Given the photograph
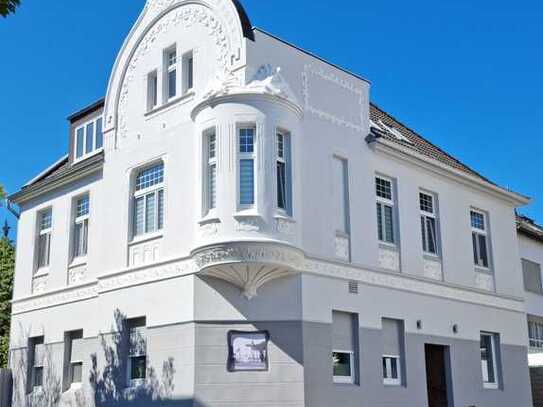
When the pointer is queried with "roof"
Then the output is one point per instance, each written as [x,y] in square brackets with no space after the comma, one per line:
[529,228]
[382,124]
[86,110]
[245,21]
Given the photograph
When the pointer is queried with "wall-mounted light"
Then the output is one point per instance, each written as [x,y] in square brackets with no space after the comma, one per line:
[455,328]
[419,324]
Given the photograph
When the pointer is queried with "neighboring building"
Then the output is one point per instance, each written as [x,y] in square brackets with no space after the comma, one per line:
[236,225]
[531,252]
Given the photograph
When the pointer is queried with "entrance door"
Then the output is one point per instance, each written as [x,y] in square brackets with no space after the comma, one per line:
[437,375]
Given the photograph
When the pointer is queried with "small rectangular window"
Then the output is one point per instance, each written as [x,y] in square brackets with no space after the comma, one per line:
[393,351]
[246,156]
[81,227]
[284,173]
[489,359]
[45,228]
[429,223]
[343,367]
[137,351]
[385,210]
[535,333]
[37,362]
[152,90]
[479,235]
[171,73]
[210,187]
[344,347]
[148,208]
[80,141]
[188,72]
[391,370]
[89,138]
[74,356]
[99,134]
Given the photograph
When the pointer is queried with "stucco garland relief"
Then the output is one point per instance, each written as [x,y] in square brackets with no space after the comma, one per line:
[39,284]
[433,269]
[343,247]
[77,275]
[389,259]
[50,300]
[210,229]
[335,118]
[484,281]
[187,15]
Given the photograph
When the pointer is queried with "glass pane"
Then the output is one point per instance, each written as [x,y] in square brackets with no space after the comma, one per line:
[43,250]
[431,229]
[172,58]
[190,72]
[212,146]
[212,185]
[423,230]
[385,369]
[80,140]
[46,220]
[483,251]
[487,359]
[393,368]
[172,83]
[280,146]
[281,186]
[150,177]
[477,220]
[426,203]
[150,208]
[246,182]
[380,222]
[82,207]
[139,218]
[160,209]
[89,138]
[78,237]
[389,224]
[99,134]
[475,253]
[246,140]
[38,376]
[383,188]
[342,364]
[77,372]
[138,367]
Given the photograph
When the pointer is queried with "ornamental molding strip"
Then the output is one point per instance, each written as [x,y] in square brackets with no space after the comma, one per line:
[358,98]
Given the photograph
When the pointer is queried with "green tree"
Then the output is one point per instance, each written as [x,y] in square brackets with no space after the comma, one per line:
[2,192]
[8,7]
[7,268]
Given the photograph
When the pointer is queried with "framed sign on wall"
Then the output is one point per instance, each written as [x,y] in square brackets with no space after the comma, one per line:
[248,351]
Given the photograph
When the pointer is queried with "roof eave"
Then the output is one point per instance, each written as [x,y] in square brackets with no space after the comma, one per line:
[419,159]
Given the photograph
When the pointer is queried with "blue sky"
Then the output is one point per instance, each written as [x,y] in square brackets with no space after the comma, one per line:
[466,74]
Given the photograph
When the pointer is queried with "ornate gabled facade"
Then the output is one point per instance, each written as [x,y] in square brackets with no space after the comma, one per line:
[235,224]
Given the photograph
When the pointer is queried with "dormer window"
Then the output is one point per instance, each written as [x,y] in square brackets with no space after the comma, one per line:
[89,138]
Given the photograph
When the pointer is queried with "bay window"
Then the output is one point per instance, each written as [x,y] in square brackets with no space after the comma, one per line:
[45,228]
[429,223]
[148,207]
[246,166]
[81,227]
[385,210]
[284,172]
[479,234]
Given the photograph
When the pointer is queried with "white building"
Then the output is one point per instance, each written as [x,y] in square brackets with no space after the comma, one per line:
[236,225]
[531,252]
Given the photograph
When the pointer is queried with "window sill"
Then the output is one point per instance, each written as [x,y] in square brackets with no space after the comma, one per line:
[173,101]
[87,156]
[211,217]
[491,386]
[344,381]
[135,384]
[41,272]
[484,270]
[248,213]
[146,238]
[432,257]
[388,246]
[78,261]
[392,384]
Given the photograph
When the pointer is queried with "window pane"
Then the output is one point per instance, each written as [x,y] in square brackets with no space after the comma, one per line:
[423,230]
[80,141]
[172,58]
[44,247]
[383,188]
[150,208]
[139,218]
[138,367]
[426,203]
[212,146]
[477,220]
[487,359]
[475,249]
[246,182]
[280,146]
[160,210]
[38,376]
[82,207]
[342,364]
[393,368]
[99,134]
[78,239]
[281,185]
[46,220]
[172,83]
[483,251]
[89,143]
[77,372]
[389,224]
[190,72]
[246,140]
[431,235]
[212,185]
[150,177]
[380,222]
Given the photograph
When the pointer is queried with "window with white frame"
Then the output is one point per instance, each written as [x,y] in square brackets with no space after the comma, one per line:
[210,184]
[246,165]
[137,352]
[148,204]
[479,234]
[535,333]
[45,229]
[393,350]
[385,210]
[429,223]
[489,360]
[284,172]
[170,57]
[81,227]
[37,358]
[75,355]
[344,343]
[188,72]
[88,138]
[152,90]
